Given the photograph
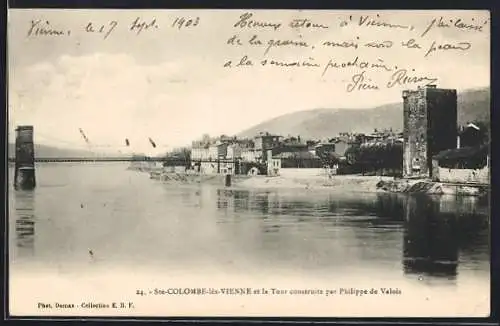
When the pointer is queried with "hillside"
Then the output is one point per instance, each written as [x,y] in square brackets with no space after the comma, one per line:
[320,123]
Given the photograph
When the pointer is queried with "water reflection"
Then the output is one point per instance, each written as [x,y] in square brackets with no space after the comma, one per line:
[379,209]
[314,232]
[433,233]
[25,221]
[431,239]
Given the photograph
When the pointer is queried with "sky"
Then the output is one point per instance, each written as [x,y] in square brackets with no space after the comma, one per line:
[170,83]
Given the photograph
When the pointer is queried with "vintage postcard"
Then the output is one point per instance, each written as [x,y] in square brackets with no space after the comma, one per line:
[249,163]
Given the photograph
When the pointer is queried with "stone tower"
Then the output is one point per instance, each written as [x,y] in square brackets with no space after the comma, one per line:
[430,126]
[24,175]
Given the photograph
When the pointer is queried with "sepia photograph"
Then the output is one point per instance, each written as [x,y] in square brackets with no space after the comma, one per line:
[248,163]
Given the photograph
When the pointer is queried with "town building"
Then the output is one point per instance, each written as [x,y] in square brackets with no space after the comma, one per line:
[430,126]
[273,164]
[212,152]
[200,153]
[264,142]
[289,148]
[221,150]
[340,147]
[233,151]
[323,147]
[248,155]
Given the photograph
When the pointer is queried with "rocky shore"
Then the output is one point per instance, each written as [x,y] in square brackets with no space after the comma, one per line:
[431,187]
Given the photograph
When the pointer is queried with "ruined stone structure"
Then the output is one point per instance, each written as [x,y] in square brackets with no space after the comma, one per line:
[430,126]
[24,175]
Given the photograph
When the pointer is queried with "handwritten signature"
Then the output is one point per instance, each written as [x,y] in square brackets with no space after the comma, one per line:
[361,81]
[401,77]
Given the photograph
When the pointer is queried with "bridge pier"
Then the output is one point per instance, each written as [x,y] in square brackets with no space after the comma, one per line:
[24,175]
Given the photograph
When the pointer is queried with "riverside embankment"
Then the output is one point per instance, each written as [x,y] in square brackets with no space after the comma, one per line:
[351,183]
[345,183]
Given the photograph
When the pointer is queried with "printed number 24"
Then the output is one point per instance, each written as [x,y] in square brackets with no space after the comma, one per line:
[140,292]
[181,22]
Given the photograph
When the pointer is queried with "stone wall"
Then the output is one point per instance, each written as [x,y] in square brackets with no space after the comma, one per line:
[415,133]
[174,169]
[464,175]
[302,173]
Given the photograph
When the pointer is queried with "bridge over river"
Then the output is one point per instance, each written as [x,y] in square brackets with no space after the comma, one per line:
[168,161]
[100,159]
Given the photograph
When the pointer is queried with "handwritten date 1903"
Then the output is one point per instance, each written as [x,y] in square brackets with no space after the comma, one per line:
[181,22]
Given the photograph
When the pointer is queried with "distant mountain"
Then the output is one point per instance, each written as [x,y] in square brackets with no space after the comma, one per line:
[320,123]
[474,105]
[52,152]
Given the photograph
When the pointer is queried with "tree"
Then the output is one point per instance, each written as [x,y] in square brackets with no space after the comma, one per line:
[181,154]
[484,129]
[376,157]
[327,157]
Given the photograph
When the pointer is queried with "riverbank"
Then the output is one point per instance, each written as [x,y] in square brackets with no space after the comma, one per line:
[344,183]
[350,183]
[431,187]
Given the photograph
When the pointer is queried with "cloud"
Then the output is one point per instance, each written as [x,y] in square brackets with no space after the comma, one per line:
[111,97]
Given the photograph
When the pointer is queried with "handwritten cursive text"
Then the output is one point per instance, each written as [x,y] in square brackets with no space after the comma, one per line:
[245,22]
[102,29]
[460,46]
[453,23]
[401,77]
[139,25]
[44,28]
[360,82]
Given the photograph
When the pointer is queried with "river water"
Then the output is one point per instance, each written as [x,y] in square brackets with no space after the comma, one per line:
[97,219]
